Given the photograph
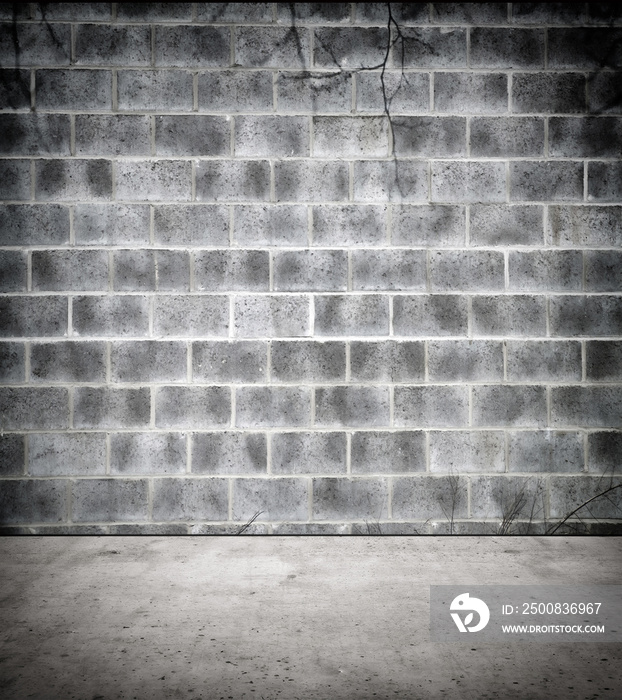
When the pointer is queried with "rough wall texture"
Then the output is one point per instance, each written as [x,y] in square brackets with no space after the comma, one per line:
[237,276]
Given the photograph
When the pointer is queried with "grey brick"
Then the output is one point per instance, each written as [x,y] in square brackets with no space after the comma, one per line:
[438,314]
[545,451]
[134,270]
[343,137]
[71,270]
[548,92]
[335,497]
[73,89]
[429,136]
[237,361]
[469,13]
[310,181]
[591,137]
[432,47]
[311,270]
[191,225]
[405,92]
[148,361]
[155,11]
[313,13]
[235,91]
[112,45]
[396,181]
[501,496]
[229,270]
[603,13]
[386,361]
[424,497]
[271,136]
[39,44]
[110,315]
[192,47]
[193,407]
[34,409]
[471,93]
[309,453]
[15,88]
[388,269]
[545,270]
[153,90]
[493,137]
[229,453]
[12,452]
[498,224]
[172,270]
[271,47]
[401,452]
[105,408]
[516,406]
[233,181]
[111,224]
[405,13]
[540,181]
[463,452]
[68,180]
[75,11]
[272,316]
[114,135]
[68,361]
[308,361]
[154,180]
[465,360]
[547,12]
[272,407]
[13,271]
[469,182]
[33,316]
[543,360]
[509,315]
[604,452]
[275,499]
[584,226]
[73,454]
[190,499]
[585,47]
[568,493]
[349,225]
[12,363]
[270,225]
[436,225]
[34,224]
[191,316]
[314,92]
[603,90]
[580,315]
[349,48]
[466,270]
[15,180]
[110,500]
[192,136]
[604,360]
[431,406]
[31,501]
[342,315]
[604,182]
[34,134]
[507,48]
[252,12]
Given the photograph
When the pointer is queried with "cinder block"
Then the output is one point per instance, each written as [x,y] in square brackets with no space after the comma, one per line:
[39,44]
[604,360]
[545,451]
[604,182]
[580,48]
[229,453]
[342,315]
[311,270]
[313,13]
[237,12]
[505,496]
[68,180]
[192,136]
[352,406]
[469,181]
[105,408]
[72,454]
[515,406]
[148,361]
[32,501]
[390,181]
[271,136]
[432,47]
[33,316]
[147,529]
[190,499]
[223,362]
[438,314]
[585,137]
[429,136]
[311,181]
[309,453]
[434,225]
[155,12]
[15,180]
[12,451]
[109,500]
[607,13]
[34,409]
[585,315]
[34,134]
[12,363]
[465,360]
[603,93]
[134,270]
[466,270]
[75,11]
[547,13]
[343,137]
[568,493]
[493,137]
[191,225]
[111,224]
[68,361]
[388,269]
[112,45]
[153,90]
[460,452]
[192,47]
[191,316]
[546,270]
[236,91]
[110,316]
[13,271]
[424,497]
[497,224]
[509,315]
[469,13]
[34,224]
[274,499]
[431,406]
[348,48]
[543,361]
[604,454]
[405,13]
[386,361]
[381,452]
[272,407]
[232,270]
[584,226]
[154,180]
[193,407]
[335,498]
[73,89]
[404,92]
[271,47]
[234,529]
[474,93]
[233,181]
[69,270]
[271,316]
[349,225]
[15,88]
[307,361]
[147,453]
[311,529]
[507,48]
[172,270]
[113,135]
[270,225]
[548,93]
[314,92]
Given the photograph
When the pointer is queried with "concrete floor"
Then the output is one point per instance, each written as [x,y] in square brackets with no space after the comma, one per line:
[97,618]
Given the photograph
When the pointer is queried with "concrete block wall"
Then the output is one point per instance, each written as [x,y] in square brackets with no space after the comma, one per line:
[239,278]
